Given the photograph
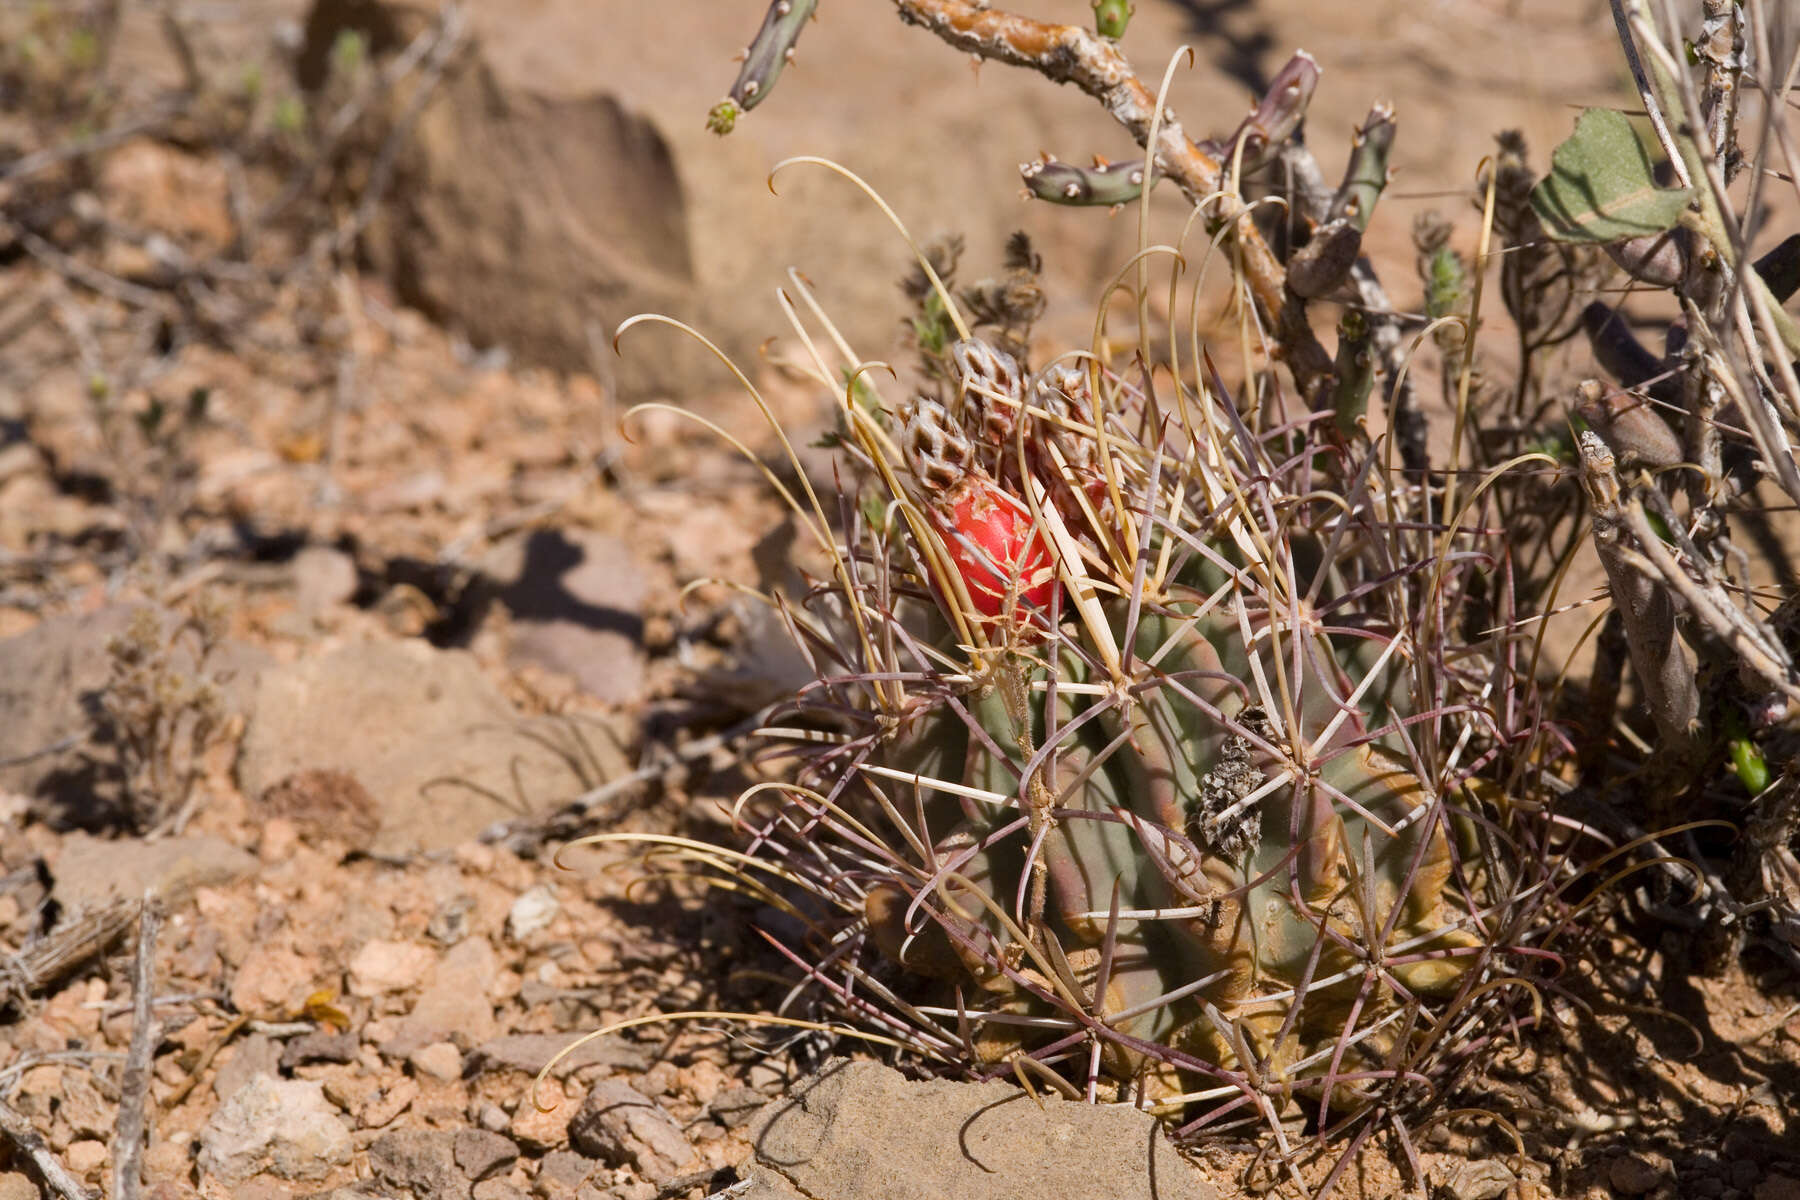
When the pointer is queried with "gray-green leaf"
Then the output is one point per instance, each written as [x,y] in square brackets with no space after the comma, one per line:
[1601,187]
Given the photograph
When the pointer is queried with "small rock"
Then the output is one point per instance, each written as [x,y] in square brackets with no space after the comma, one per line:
[164,1160]
[480,1153]
[383,966]
[499,1189]
[561,1172]
[492,1117]
[20,458]
[153,185]
[1744,1174]
[173,1189]
[14,1186]
[421,1161]
[440,1060]
[285,1127]
[619,1124]
[319,1046]
[449,924]
[388,1104]
[276,840]
[84,1109]
[44,673]
[1778,1187]
[257,1054]
[531,912]
[350,1092]
[545,1130]
[273,981]
[1631,1175]
[85,1157]
[418,490]
[1484,1180]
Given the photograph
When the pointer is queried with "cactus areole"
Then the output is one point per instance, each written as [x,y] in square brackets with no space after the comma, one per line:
[996,548]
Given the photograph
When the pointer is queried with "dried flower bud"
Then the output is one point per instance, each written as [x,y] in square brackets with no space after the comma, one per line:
[937,449]
[993,388]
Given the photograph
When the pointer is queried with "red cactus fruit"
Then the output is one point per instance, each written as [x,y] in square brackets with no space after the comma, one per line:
[993,542]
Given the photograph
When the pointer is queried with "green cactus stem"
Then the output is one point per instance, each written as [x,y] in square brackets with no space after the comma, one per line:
[1355,372]
[1103,185]
[770,51]
[1111,17]
[1366,175]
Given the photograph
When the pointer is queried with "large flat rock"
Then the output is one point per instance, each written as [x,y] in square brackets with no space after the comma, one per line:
[862,1131]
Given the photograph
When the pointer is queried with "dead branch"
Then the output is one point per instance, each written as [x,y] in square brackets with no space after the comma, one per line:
[1643,603]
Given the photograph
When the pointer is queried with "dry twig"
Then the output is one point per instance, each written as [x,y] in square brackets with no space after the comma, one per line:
[31,1144]
[77,939]
[134,1084]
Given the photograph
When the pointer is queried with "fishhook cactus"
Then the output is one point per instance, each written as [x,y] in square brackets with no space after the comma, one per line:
[1164,746]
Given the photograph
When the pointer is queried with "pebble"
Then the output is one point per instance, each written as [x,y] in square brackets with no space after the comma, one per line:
[531,912]
[272,980]
[619,1124]
[319,1046]
[1631,1175]
[480,1153]
[388,1104]
[440,1060]
[86,1156]
[533,1127]
[561,1172]
[383,966]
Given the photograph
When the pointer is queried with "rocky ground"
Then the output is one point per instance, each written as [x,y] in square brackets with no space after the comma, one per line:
[333,605]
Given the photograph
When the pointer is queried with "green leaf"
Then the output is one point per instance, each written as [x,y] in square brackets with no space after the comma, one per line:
[1601,186]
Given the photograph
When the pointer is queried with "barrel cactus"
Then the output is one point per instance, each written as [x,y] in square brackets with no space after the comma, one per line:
[1165,748]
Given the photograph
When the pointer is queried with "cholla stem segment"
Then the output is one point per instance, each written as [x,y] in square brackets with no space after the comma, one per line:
[1366,175]
[1071,54]
[1104,185]
[770,51]
[1276,117]
[1112,16]
[1324,264]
